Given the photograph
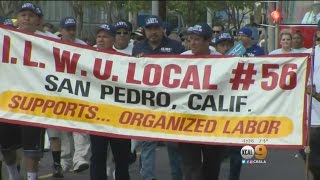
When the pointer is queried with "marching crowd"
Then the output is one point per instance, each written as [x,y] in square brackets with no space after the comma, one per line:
[72,151]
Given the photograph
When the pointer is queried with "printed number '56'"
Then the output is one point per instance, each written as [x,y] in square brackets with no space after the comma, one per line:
[288,76]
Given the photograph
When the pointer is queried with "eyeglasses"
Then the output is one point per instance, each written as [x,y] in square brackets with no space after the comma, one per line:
[122,33]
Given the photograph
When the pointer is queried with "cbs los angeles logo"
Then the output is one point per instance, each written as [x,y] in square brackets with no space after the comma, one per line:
[259,153]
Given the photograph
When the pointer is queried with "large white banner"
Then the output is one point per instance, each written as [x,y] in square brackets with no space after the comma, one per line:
[214,99]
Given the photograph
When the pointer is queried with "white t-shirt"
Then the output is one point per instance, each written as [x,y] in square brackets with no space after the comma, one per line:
[279,51]
[189,52]
[79,41]
[127,50]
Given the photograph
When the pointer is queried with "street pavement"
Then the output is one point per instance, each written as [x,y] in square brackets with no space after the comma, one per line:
[280,165]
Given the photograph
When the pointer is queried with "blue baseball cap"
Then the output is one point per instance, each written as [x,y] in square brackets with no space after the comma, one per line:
[68,22]
[28,6]
[6,21]
[223,36]
[153,21]
[245,31]
[123,24]
[39,11]
[201,29]
[109,28]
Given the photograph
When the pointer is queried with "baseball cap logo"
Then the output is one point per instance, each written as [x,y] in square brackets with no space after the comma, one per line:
[27,5]
[225,35]
[121,24]
[105,26]
[152,21]
[70,21]
[197,28]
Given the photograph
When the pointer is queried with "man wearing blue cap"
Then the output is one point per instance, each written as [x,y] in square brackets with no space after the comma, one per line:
[123,34]
[200,36]
[105,39]
[27,137]
[223,42]
[63,143]
[157,43]
[199,161]
[245,36]
[68,30]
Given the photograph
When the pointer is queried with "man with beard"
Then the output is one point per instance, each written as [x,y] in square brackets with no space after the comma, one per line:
[157,43]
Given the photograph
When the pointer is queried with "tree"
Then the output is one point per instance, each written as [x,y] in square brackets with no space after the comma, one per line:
[7,8]
[195,11]
[77,7]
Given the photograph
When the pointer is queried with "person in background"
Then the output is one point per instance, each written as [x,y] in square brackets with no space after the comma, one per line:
[157,43]
[184,36]
[138,35]
[73,147]
[285,42]
[6,21]
[223,42]
[105,39]
[297,42]
[200,161]
[245,36]
[216,29]
[48,27]
[312,16]
[123,34]
[200,35]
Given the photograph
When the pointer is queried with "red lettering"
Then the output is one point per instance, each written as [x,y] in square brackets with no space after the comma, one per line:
[6,49]
[187,128]
[107,69]
[125,117]
[191,78]
[48,104]
[167,74]
[71,107]
[131,73]
[210,128]
[251,127]
[15,102]
[206,79]
[274,125]
[147,80]
[56,109]
[37,103]
[225,129]
[137,117]
[199,125]
[239,128]
[62,62]
[27,55]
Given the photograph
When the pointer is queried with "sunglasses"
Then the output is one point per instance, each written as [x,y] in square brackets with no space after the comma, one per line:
[216,32]
[122,33]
